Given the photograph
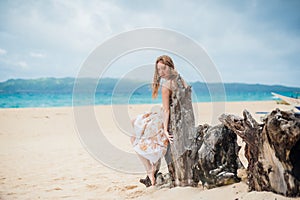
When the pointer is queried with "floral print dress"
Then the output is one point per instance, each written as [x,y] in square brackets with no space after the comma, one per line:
[150,142]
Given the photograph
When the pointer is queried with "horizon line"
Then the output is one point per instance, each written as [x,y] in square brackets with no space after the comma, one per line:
[116,78]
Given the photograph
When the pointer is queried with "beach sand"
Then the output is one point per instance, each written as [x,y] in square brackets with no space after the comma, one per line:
[42,156]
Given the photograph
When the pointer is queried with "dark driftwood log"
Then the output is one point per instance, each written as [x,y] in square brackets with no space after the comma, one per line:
[272,150]
[216,154]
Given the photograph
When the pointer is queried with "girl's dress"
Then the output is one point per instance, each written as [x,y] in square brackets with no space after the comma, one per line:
[150,142]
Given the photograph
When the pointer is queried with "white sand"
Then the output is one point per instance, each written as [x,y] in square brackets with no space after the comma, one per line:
[42,156]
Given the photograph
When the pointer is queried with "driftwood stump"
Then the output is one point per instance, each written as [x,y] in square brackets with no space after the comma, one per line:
[182,127]
[272,150]
[216,154]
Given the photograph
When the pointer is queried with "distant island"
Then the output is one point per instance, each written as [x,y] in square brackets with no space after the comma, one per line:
[108,85]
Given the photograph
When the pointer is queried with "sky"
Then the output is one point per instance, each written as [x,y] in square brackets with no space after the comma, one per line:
[249,41]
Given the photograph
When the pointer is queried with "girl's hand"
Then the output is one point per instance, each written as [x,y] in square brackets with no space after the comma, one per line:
[170,137]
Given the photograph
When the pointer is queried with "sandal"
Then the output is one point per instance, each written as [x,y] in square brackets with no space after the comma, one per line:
[146,181]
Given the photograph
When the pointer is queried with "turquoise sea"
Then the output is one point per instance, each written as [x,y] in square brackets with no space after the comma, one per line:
[52,92]
[25,100]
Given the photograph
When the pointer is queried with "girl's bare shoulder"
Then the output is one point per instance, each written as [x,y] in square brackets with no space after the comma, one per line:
[167,84]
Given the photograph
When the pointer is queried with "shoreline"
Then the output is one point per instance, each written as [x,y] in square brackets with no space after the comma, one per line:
[142,104]
[133,104]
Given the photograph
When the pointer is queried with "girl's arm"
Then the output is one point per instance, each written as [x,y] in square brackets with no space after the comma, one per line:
[166,109]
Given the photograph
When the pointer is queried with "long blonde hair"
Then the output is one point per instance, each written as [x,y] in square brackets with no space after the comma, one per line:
[156,78]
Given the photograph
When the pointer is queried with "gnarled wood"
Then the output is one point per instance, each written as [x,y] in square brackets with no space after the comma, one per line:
[217,160]
[272,150]
[182,126]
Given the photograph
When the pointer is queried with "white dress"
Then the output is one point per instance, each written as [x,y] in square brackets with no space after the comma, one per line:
[150,142]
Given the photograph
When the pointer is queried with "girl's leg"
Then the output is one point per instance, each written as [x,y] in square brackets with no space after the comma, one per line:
[149,168]
[153,171]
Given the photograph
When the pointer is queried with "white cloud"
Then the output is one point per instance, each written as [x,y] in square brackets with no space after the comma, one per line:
[22,64]
[71,25]
[2,51]
[37,55]
[77,25]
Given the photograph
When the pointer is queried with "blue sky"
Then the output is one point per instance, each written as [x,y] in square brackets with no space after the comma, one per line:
[249,41]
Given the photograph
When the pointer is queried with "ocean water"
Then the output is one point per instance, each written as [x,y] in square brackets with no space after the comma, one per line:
[26,100]
[58,92]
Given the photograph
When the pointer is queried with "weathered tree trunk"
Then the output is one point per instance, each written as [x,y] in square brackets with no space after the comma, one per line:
[216,155]
[182,126]
[272,150]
